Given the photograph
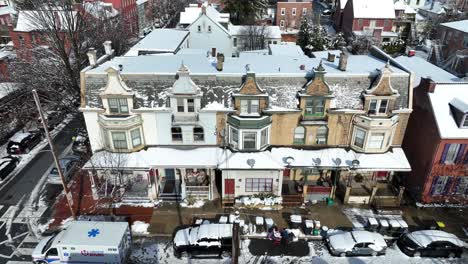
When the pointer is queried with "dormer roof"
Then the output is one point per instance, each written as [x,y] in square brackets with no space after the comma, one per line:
[184,84]
[250,87]
[318,86]
[115,85]
[383,85]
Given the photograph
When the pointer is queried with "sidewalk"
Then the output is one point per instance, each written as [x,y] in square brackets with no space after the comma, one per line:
[259,247]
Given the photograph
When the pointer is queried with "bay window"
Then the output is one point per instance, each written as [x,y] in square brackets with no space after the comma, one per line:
[378,106]
[359,137]
[249,140]
[249,106]
[119,140]
[136,137]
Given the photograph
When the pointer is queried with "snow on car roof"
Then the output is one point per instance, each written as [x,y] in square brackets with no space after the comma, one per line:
[214,231]
[426,237]
[19,136]
[93,233]
[368,237]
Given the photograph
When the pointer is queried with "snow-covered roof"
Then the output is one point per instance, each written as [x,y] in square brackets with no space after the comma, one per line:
[425,237]
[7,88]
[393,160]
[249,161]
[160,40]
[461,25]
[19,136]
[100,9]
[401,5]
[286,50]
[383,34]
[438,7]
[184,85]
[92,233]
[191,14]
[440,99]
[382,9]
[422,68]
[343,4]
[33,20]
[271,32]
[7,10]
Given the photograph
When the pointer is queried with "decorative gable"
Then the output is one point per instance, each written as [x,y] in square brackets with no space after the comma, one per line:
[184,84]
[383,85]
[318,86]
[115,85]
[250,86]
[459,109]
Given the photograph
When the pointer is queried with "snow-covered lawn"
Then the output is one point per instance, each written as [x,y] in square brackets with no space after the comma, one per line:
[160,252]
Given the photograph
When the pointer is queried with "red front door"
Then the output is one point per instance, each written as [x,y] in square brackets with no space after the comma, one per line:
[228,186]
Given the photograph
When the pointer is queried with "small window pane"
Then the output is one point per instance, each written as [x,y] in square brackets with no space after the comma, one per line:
[372,106]
[176,133]
[113,105]
[452,153]
[299,135]
[123,106]
[120,140]
[244,106]
[359,137]
[190,105]
[376,140]
[254,106]
[250,141]
[136,137]
[198,134]
[180,105]
[264,137]
[465,122]
[322,133]
[234,136]
[383,106]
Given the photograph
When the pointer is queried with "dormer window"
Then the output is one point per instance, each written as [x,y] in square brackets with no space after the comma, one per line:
[315,107]
[190,105]
[465,122]
[118,105]
[180,105]
[377,106]
[249,106]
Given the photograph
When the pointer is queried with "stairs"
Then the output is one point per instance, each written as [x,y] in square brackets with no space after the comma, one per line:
[292,199]
[170,197]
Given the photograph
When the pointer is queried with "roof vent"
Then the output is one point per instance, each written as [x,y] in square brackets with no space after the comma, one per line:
[302,67]
[120,67]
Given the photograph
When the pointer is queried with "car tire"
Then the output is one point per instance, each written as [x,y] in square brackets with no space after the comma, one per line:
[452,255]
[226,254]
[185,255]
[374,253]
[27,150]
[343,254]
[417,254]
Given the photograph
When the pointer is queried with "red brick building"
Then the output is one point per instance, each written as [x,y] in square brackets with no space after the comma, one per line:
[6,13]
[129,12]
[436,143]
[289,13]
[368,18]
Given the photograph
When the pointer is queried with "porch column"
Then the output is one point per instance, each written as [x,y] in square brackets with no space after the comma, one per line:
[400,195]
[373,193]
[347,193]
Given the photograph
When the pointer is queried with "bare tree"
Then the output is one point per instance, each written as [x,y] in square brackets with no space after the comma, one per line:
[253,37]
[362,44]
[166,12]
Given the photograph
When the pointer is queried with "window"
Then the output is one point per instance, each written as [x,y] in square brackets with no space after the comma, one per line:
[376,140]
[199,28]
[372,23]
[440,185]
[359,22]
[176,134]
[372,106]
[136,137]
[249,106]
[52,252]
[209,28]
[386,23]
[465,122]
[250,140]
[234,139]
[118,105]
[293,11]
[119,140]
[449,156]
[304,11]
[234,42]
[198,134]
[418,1]
[180,105]
[264,137]
[190,105]
[383,106]
[322,133]
[461,186]
[315,107]
[378,106]
[283,11]
[258,185]
[299,135]
[359,136]
[282,23]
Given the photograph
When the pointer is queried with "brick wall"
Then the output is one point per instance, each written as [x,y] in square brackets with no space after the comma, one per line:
[290,20]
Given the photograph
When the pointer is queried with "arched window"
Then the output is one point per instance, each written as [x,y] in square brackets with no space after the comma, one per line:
[176,134]
[322,134]
[299,135]
[198,134]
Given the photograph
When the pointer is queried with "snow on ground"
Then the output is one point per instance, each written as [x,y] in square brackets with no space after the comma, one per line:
[148,252]
[140,228]
[433,205]
[359,216]
[196,204]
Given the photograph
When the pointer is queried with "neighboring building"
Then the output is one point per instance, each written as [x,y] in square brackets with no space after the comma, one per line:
[254,124]
[451,50]
[405,21]
[289,13]
[129,12]
[369,18]
[7,55]
[439,159]
[161,41]
[462,5]
[434,9]
[6,15]
[338,14]
[10,122]
[292,50]
[416,4]
[145,16]
[194,11]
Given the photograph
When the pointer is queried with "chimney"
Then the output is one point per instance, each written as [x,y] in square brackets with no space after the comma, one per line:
[302,67]
[343,62]
[428,84]
[331,57]
[92,57]
[108,47]
[203,9]
[213,52]
[220,61]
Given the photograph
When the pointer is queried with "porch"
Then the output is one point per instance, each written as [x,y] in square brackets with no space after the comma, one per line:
[179,183]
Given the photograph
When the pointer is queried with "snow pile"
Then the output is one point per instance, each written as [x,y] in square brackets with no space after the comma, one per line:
[66,222]
[44,227]
[118,205]
[215,106]
[140,228]
[196,204]
[255,201]
[446,205]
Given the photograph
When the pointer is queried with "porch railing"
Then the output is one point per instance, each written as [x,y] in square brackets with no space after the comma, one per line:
[200,192]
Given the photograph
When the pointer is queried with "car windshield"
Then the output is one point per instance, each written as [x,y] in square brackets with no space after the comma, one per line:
[48,244]
[54,171]
[410,242]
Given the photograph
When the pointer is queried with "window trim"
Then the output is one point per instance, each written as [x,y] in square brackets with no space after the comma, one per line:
[264,138]
[244,133]
[283,11]
[249,104]
[314,105]
[322,135]
[356,129]
[133,138]
[202,133]
[373,134]
[180,106]
[464,123]
[296,139]
[231,136]
[253,185]
[177,133]
[119,104]
[120,145]
[378,104]
[191,105]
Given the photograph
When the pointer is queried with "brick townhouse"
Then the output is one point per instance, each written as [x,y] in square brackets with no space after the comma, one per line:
[289,13]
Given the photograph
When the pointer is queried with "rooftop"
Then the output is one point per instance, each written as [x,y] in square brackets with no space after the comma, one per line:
[192,12]
[437,8]
[31,20]
[461,25]
[373,9]
[93,233]
[423,68]
[7,88]
[440,99]
[160,40]
[287,50]
[7,10]
[270,31]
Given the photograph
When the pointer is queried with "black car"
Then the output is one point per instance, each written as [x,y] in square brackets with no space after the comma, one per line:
[81,142]
[203,240]
[431,243]
[7,165]
[54,118]
[23,142]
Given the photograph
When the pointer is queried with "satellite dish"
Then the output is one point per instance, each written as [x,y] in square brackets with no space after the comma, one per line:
[251,162]
[355,163]
[288,160]
[317,161]
[222,132]
[337,161]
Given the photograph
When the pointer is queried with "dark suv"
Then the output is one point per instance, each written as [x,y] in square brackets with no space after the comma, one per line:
[431,243]
[23,142]
[7,165]
[54,118]
[203,240]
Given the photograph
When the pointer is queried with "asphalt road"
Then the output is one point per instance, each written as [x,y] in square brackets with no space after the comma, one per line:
[28,177]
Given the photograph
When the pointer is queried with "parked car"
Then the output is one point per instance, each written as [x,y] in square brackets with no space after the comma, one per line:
[203,240]
[326,12]
[68,165]
[81,142]
[54,118]
[7,165]
[431,243]
[356,243]
[23,142]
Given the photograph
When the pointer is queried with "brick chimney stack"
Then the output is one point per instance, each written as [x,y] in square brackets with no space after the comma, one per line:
[428,84]
[343,62]
[92,57]
[220,61]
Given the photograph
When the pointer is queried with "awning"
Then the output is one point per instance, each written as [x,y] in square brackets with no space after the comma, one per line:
[393,160]
[249,161]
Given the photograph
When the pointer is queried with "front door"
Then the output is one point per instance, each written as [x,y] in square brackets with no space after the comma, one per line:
[229,186]
[170,174]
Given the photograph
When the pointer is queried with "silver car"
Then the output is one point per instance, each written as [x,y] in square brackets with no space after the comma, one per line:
[356,243]
[68,165]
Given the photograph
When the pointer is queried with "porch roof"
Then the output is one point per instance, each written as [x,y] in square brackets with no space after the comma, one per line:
[393,160]
[249,161]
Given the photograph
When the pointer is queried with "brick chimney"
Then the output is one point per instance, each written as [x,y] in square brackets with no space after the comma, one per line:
[213,52]
[343,62]
[203,9]
[220,61]
[428,84]
[92,57]
[108,47]
[331,57]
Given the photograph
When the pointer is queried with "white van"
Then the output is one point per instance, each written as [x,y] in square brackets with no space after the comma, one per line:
[86,242]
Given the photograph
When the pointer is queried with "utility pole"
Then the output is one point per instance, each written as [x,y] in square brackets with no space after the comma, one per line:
[235,243]
[54,154]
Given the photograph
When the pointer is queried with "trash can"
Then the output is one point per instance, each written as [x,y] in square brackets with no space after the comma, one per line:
[329,201]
